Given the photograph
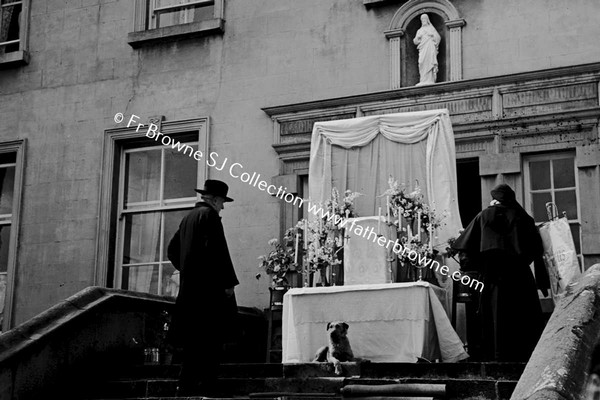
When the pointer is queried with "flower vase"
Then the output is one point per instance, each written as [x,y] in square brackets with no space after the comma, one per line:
[277,293]
[323,275]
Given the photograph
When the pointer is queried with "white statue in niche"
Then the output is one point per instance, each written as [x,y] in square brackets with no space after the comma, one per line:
[427,40]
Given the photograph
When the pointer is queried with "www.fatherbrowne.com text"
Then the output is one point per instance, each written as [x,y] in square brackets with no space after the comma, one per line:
[236,171]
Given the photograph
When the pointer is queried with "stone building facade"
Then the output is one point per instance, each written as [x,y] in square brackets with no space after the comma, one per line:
[88,201]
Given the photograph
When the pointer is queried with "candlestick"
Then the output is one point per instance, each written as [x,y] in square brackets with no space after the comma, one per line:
[419,226]
[399,223]
[296,249]
[346,235]
[379,222]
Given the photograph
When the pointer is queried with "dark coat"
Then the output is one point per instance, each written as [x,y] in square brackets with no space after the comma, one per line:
[199,251]
[506,229]
[500,243]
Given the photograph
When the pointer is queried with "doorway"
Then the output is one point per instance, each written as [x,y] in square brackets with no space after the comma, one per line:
[469,189]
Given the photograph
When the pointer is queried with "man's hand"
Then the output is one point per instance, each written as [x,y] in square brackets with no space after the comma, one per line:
[229,292]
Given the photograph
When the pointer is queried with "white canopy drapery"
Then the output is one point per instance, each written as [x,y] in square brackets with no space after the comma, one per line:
[361,153]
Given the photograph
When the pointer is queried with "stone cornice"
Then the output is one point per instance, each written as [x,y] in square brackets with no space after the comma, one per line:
[455,23]
[584,119]
[511,82]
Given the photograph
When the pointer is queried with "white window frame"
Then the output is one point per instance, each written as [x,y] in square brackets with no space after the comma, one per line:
[18,148]
[154,10]
[161,206]
[527,159]
[22,55]
[145,12]
[116,142]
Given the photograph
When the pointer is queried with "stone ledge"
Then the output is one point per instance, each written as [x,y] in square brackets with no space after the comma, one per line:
[14,59]
[557,369]
[176,32]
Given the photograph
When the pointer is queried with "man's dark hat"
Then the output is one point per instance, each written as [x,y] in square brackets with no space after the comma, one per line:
[216,188]
[503,193]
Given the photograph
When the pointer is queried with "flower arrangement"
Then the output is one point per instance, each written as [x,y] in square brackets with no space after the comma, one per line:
[280,259]
[422,249]
[411,205]
[323,245]
[451,252]
[343,208]
[324,239]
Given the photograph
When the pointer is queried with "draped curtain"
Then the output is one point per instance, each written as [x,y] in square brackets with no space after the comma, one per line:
[360,154]
[145,226]
[140,278]
[6,16]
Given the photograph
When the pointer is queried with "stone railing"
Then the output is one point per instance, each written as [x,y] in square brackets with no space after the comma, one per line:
[557,369]
[78,340]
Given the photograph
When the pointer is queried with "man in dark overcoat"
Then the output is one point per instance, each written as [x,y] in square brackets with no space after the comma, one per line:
[205,305]
[500,243]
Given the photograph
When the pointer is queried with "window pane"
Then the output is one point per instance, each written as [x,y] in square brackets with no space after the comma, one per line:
[4,241]
[7,187]
[184,15]
[9,26]
[566,201]
[141,278]
[539,175]
[172,220]
[575,233]
[170,280]
[142,176]
[8,158]
[564,172]
[141,241]
[539,206]
[181,171]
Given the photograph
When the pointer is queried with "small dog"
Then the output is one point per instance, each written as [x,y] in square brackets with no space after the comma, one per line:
[339,349]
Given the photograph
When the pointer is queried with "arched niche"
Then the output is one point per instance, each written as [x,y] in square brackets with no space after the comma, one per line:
[403,54]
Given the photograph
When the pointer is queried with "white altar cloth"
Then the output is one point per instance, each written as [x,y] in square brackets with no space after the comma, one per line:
[395,322]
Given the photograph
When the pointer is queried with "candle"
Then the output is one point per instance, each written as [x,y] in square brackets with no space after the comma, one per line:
[387,201]
[305,234]
[430,238]
[296,250]
[419,226]
[379,222]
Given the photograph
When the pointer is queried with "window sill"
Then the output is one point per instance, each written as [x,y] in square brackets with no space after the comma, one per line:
[376,3]
[14,59]
[176,32]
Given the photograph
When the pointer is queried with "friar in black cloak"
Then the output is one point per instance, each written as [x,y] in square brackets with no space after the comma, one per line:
[500,243]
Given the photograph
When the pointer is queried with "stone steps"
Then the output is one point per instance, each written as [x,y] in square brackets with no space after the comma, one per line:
[317,381]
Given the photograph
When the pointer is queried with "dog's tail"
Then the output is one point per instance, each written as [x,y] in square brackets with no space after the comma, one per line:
[321,355]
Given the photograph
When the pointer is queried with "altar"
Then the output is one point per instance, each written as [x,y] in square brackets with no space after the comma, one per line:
[393,322]
[387,183]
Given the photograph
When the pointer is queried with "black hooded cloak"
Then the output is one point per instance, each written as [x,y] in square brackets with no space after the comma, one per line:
[500,243]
